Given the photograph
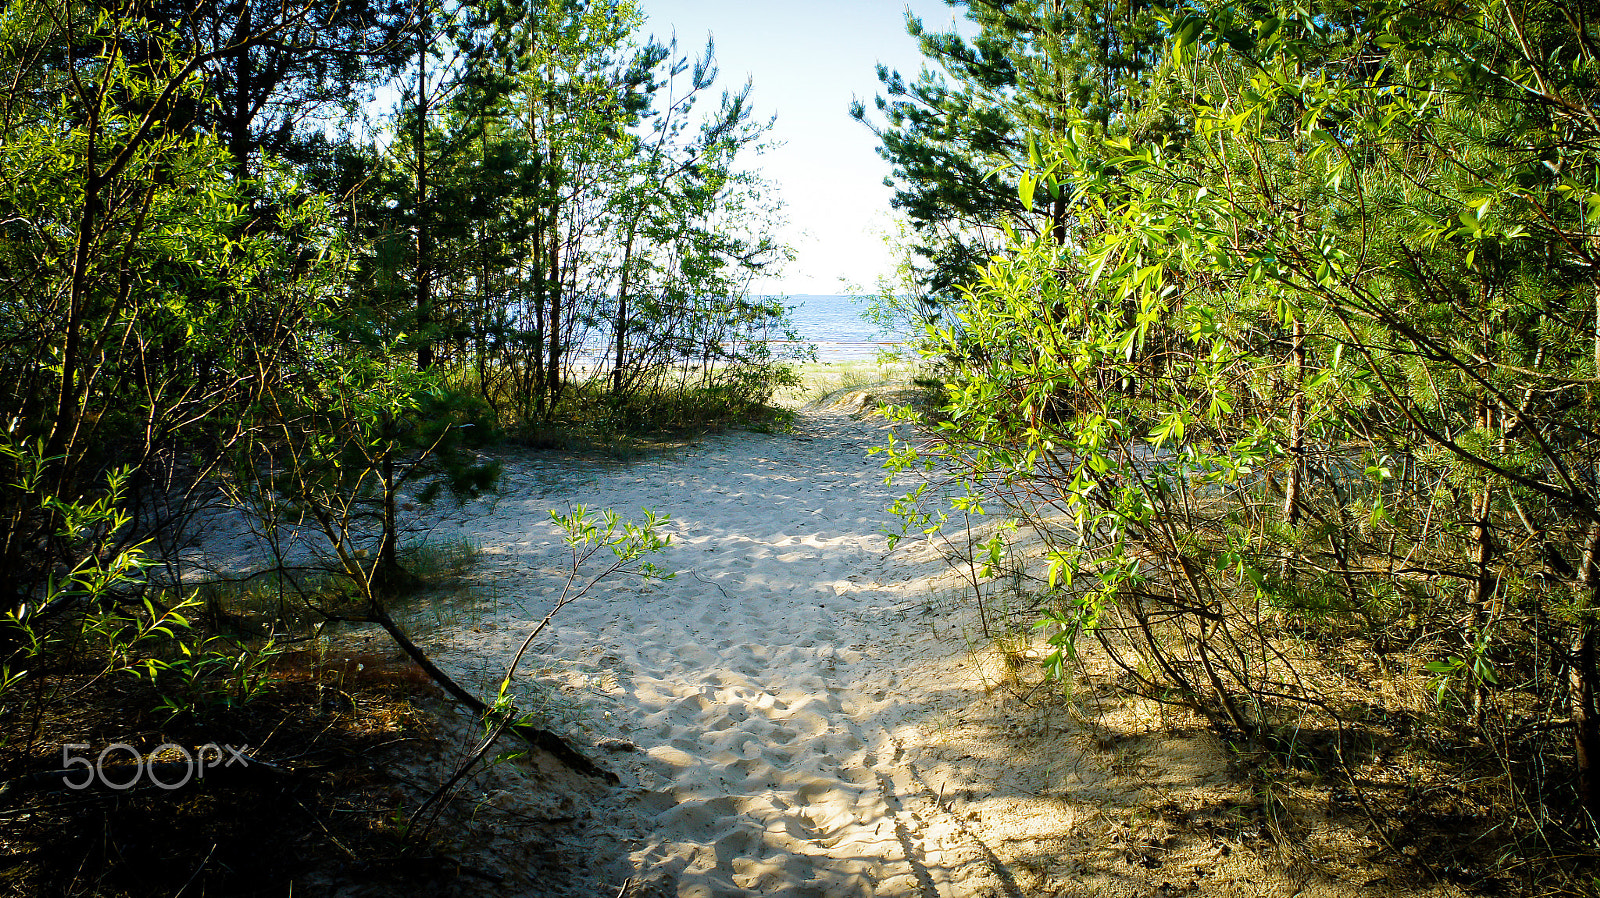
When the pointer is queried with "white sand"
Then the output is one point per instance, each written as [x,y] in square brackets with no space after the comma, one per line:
[765,684]
[798,712]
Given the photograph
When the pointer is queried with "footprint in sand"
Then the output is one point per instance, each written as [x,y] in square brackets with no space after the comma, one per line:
[751,689]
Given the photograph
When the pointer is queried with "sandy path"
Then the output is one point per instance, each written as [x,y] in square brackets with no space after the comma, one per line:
[766,685]
[804,717]
[802,712]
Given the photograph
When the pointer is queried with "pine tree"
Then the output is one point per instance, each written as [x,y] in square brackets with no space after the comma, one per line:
[959,135]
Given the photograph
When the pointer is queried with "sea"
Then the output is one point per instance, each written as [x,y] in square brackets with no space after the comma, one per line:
[834,324]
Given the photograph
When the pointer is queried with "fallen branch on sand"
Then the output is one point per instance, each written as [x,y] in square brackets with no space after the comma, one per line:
[542,739]
[628,543]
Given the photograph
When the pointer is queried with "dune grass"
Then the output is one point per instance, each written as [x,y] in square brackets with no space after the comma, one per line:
[824,382]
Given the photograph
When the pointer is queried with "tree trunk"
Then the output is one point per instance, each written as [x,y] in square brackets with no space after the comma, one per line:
[622,315]
[388,577]
[1483,589]
[64,425]
[539,379]
[480,329]
[1484,583]
[242,112]
[1297,426]
[553,380]
[423,276]
[1583,676]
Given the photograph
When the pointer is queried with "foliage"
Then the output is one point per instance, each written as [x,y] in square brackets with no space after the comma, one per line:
[959,134]
[220,290]
[343,439]
[1320,372]
[96,618]
[274,98]
[144,306]
[556,210]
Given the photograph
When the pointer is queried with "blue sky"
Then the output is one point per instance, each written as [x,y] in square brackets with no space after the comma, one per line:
[807,59]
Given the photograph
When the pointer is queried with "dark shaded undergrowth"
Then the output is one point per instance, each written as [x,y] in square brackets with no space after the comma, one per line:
[321,811]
